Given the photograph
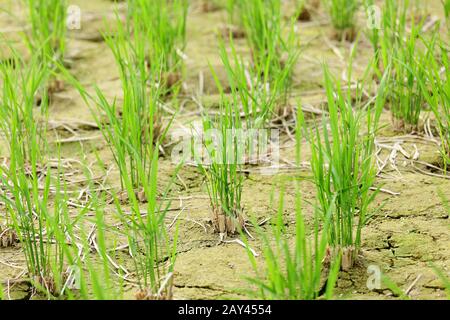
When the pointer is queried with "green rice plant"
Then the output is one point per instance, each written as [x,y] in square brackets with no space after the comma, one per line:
[221,165]
[343,165]
[89,276]
[403,51]
[294,271]
[95,278]
[20,114]
[394,29]
[35,206]
[152,252]
[258,96]
[32,210]
[140,125]
[48,29]
[434,81]
[132,130]
[406,98]
[374,32]
[164,24]
[342,13]
[392,32]
[273,53]
[36,215]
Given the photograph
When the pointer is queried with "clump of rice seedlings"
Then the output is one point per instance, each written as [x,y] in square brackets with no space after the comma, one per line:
[343,167]
[433,78]
[393,32]
[164,25]
[406,98]
[133,129]
[48,32]
[152,252]
[258,96]
[221,166]
[405,51]
[89,275]
[393,24]
[272,52]
[342,13]
[301,270]
[28,207]
[24,104]
[93,279]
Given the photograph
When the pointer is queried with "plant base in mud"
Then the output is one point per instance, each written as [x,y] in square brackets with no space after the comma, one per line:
[347,34]
[48,285]
[226,224]
[347,254]
[8,237]
[400,125]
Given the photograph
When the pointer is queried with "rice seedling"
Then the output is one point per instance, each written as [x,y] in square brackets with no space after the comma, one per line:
[152,251]
[23,105]
[374,32]
[22,177]
[132,130]
[394,29]
[342,13]
[433,78]
[221,165]
[273,54]
[48,29]
[36,216]
[295,271]
[164,24]
[89,276]
[343,167]
[104,286]
[406,98]
[139,127]
[258,97]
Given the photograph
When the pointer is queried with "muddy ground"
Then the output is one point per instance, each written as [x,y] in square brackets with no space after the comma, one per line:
[410,229]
